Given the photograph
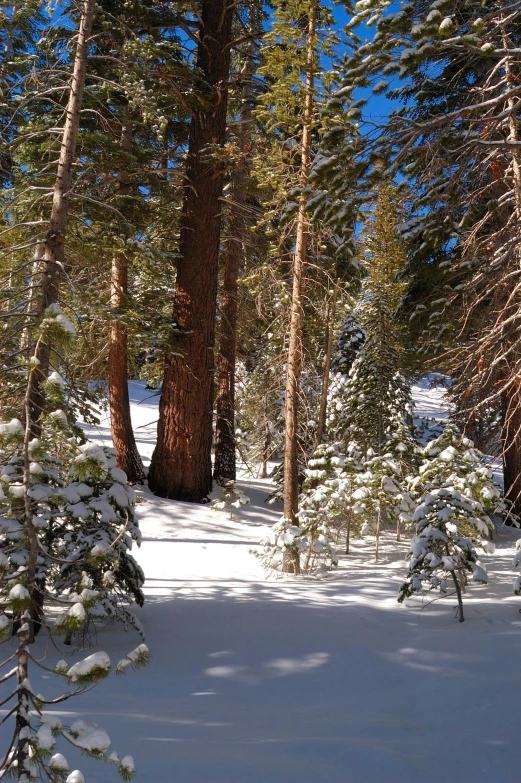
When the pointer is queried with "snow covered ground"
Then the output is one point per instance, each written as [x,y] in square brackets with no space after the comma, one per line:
[300,681]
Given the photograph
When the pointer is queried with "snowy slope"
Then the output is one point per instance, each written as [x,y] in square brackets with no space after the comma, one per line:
[298,681]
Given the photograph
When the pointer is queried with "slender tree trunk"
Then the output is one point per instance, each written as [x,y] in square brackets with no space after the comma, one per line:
[348,531]
[267,441]
[459,597]
[23,707]
[511,402]
[36,591]
[225,462]
[294,361]
[181,464]
[120,421]
[457,587]
[511,437]
[378,530]
[330,320]
[53,256]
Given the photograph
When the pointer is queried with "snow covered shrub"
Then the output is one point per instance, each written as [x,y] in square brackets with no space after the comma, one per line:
[317,509]
[453,458]
[75,504]
[231,497]
[452,516]
[66,527]
[285,540]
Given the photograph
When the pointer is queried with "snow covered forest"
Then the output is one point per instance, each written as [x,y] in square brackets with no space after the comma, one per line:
[260,418]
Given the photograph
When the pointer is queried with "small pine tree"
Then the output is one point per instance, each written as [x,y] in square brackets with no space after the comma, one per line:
[83,516]
[51,554]
[231,497]
[452,517]
[284,540]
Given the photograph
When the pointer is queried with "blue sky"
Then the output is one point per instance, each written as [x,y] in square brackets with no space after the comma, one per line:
[378,106]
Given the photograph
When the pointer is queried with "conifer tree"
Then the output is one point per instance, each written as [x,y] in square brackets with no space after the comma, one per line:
[452,517]
[376,396]
[231,497]
[457,141]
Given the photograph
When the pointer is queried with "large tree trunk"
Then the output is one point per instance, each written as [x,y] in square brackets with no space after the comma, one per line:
[53,256]
[181,464]
[120,421]
[294,361]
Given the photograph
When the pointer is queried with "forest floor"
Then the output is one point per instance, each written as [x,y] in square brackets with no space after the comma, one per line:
[256,679]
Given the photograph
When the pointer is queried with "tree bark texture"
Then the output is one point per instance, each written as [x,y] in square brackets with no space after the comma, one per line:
[23,707]
[181,464]
[120,421]
[53,255]
[294,360]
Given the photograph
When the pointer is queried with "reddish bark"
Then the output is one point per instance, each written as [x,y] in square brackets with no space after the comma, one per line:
[181,464]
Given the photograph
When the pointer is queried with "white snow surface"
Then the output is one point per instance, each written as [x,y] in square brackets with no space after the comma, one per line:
[256,679]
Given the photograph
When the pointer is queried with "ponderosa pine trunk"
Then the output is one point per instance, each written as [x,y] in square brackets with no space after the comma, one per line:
[120,421]
[52,262]
[294,360]
[181,465]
